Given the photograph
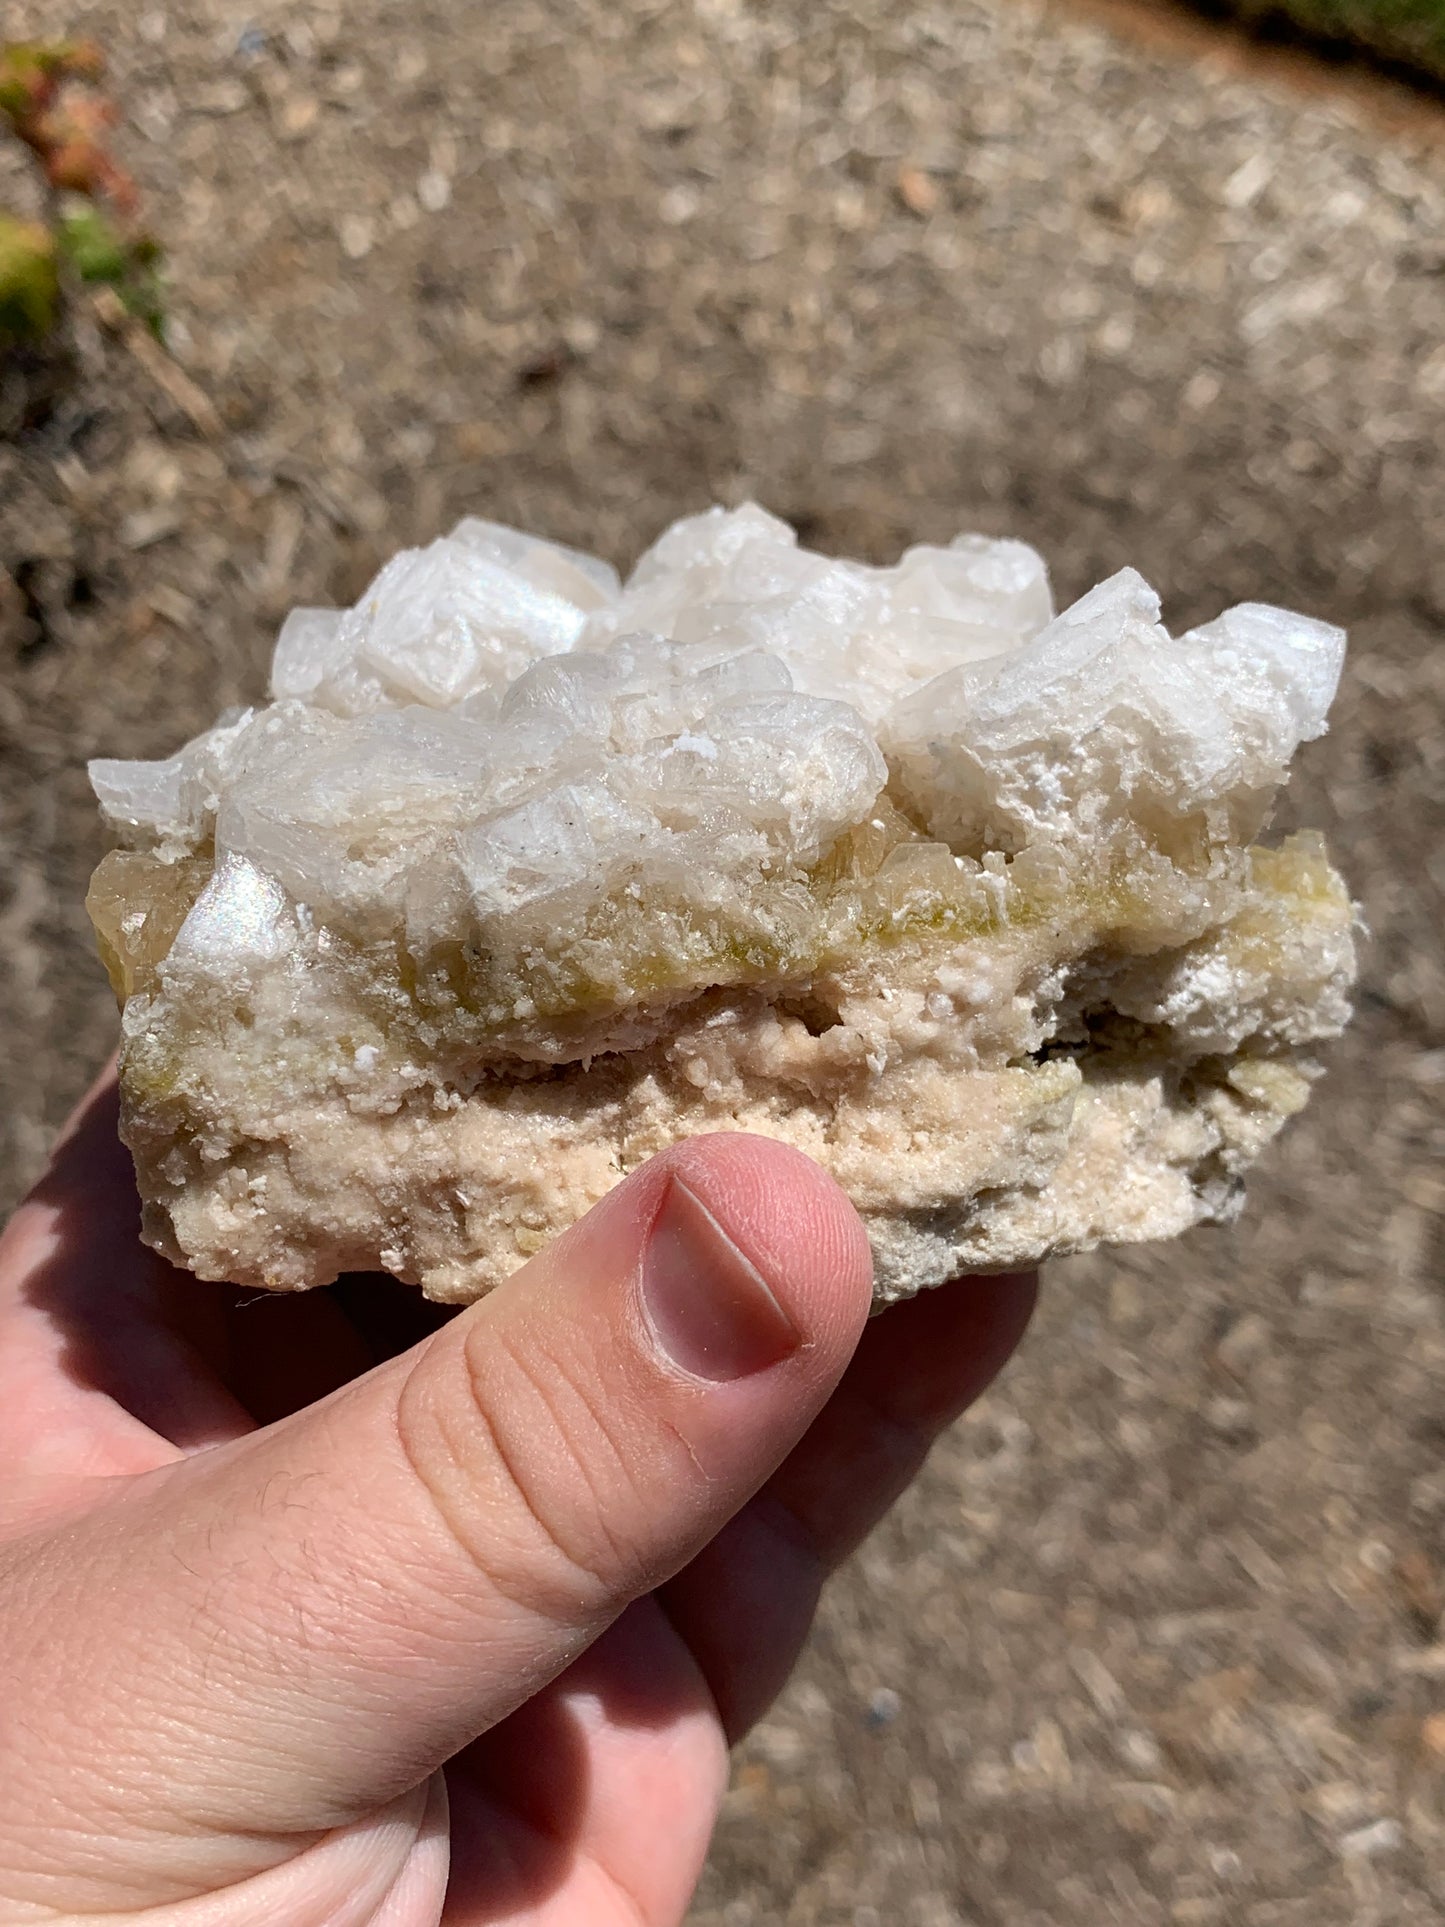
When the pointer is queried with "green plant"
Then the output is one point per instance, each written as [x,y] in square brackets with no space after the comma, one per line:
[91,231]
[1406,33]
[29,279]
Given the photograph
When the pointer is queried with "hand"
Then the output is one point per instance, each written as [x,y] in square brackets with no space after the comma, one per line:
[268,1565]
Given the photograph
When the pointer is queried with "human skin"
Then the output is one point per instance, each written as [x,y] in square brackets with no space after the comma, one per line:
[338,1609]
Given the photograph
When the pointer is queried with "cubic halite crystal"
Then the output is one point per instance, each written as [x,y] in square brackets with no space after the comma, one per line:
[523,873]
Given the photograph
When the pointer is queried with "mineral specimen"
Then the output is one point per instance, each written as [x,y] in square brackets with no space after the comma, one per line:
[523,874]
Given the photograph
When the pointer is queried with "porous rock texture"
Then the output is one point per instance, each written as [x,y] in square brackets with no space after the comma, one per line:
[524,874]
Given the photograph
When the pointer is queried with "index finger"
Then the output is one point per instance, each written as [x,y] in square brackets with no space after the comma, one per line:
[746,1602]
[93,1370]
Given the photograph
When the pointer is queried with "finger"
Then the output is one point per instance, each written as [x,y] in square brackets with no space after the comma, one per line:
[745,1604]
[302,1624]
[109,1356]
[95,1376]
[595,1801]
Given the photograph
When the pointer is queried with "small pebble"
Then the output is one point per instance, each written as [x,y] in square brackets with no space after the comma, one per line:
[917,191]
[1368,1843]
[883,1708]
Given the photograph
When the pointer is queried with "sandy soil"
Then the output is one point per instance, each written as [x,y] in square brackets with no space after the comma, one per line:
[1158,1637]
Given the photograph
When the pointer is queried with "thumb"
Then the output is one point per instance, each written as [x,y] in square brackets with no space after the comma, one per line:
[280,1635]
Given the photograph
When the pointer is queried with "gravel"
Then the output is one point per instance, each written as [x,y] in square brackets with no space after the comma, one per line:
[1158,1636]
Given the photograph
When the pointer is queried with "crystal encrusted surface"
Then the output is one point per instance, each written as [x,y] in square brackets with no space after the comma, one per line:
[524,872]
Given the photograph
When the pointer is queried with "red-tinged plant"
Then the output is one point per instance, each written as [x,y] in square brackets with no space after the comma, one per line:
[92,232]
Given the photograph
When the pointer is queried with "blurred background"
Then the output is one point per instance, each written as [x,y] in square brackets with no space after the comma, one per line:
[1158,1637]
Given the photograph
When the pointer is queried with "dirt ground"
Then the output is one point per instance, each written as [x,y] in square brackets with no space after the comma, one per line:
[1158,1637]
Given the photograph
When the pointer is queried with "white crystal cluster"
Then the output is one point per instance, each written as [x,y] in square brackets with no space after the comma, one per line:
[523,873]
[499,723]
[650,760]
[1104,715]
